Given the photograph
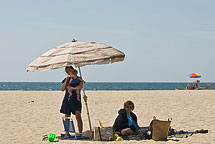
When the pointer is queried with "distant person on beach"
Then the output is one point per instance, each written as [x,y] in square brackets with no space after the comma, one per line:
[126,121]
[72,104]
[194,85]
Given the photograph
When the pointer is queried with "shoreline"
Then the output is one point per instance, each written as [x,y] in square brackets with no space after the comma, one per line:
[101,86]
[104,90]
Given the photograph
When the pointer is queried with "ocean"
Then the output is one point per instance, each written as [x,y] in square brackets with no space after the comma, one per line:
[55,86]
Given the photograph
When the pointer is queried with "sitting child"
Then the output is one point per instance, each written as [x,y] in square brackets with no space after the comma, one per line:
[126,121]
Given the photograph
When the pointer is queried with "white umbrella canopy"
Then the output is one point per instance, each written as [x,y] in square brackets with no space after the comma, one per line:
[76,53]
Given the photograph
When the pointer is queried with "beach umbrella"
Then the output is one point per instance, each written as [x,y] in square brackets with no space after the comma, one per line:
[194,75]
[78,53]
[194,84]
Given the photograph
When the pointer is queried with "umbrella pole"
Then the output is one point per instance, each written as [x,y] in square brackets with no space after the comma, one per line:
[85,99]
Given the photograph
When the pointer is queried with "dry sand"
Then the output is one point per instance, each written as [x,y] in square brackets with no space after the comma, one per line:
[26,115]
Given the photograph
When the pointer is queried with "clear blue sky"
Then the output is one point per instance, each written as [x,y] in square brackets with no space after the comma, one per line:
[164,40]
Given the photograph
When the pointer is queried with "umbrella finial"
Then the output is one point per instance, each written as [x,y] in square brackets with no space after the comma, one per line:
[74,40]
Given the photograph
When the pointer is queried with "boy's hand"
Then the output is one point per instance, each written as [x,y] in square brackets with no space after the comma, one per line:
[78,99]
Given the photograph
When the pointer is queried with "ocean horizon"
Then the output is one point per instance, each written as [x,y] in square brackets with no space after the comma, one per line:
[55,86]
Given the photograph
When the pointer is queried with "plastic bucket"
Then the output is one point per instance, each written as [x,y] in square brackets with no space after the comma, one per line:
[51,137]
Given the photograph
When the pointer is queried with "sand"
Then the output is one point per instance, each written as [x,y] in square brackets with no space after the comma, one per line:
[27,115]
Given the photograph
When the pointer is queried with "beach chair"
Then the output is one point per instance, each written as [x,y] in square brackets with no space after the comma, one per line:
[69,127]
